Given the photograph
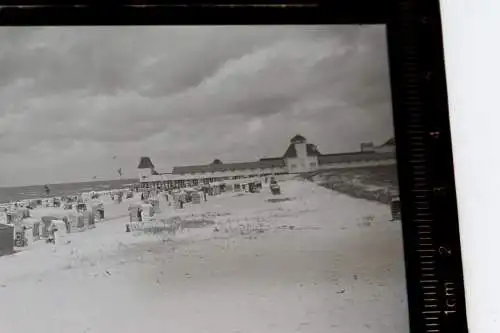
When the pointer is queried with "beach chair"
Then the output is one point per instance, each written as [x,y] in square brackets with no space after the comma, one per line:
[20,236]
[24,213]
[133,211]
[196,198]
[147,209]
[146,217]
[36,230]
[98,211]
[80,221]
[134,217]
[46,223]
[156,206]
[90,219]
[57,229]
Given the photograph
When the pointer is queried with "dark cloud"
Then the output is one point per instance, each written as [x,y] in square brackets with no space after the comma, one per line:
[73,97]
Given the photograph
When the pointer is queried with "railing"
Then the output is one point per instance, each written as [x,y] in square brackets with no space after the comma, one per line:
[246,173]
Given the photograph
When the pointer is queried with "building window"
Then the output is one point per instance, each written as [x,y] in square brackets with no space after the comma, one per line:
[313,165]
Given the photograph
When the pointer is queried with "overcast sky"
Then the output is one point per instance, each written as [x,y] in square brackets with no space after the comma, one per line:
[74,97]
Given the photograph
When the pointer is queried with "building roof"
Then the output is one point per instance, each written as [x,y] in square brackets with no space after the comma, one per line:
[311,149]
[278,162]
[298,139]
[145,163]
[265,159]
[268,163]
[390,142]
[163,171]
[354,157]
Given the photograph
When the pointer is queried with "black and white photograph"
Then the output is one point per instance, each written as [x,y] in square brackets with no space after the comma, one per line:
[230,179]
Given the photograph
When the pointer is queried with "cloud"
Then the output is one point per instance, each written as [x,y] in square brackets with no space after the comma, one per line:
[72,97]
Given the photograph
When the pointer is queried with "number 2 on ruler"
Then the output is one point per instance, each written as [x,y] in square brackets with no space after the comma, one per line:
[444,251]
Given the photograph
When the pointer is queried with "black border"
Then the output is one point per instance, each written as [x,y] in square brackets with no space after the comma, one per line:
[345,12]
[417,81]
[420,99]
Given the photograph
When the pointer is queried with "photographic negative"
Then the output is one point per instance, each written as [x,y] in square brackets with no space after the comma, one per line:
[189,179]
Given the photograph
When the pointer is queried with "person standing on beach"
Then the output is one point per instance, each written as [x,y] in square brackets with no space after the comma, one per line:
[67,224]
[52,233]
[139,214]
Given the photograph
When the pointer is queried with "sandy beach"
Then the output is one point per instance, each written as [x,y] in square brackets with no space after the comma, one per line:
[318,262]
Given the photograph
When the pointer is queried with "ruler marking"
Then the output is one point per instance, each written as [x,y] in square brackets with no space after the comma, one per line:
[428,275]
[429,287]
[432,293]
[426,257]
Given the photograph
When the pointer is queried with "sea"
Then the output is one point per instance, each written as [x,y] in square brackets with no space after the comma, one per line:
[8,194]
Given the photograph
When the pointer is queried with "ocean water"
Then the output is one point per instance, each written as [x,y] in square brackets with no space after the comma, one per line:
[8,194]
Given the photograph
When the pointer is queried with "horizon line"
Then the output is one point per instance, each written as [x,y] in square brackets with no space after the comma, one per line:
[77,182]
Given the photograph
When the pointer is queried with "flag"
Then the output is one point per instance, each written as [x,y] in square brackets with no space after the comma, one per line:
[120,172]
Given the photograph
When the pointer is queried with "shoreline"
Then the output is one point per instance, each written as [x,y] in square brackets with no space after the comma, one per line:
[70,183]
[35,192]
[72,194]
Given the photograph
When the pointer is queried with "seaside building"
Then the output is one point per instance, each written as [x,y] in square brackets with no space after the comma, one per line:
[146,168]
[300,157]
